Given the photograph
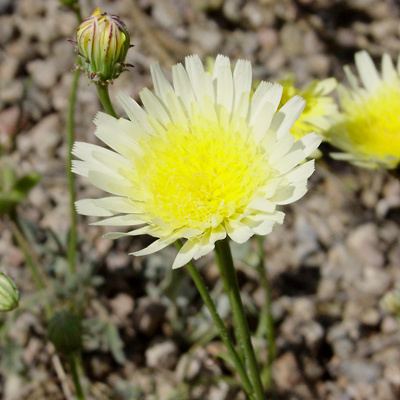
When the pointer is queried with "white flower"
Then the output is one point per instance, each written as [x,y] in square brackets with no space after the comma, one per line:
[204,158]
[367,129]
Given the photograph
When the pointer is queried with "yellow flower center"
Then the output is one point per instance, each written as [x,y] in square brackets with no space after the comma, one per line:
[315,107]
[373,124]
[200,175]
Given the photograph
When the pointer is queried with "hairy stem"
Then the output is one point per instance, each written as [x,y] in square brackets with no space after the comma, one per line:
[228,274]
[223,332]
[104,97]
[72,239]
[74,362]
[266,325]
[28,252]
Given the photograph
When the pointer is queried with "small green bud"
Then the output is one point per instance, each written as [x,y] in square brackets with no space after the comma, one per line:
[9,294]
[103,42]
[65,332]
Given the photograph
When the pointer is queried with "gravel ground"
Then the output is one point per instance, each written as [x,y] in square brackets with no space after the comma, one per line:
[330,264]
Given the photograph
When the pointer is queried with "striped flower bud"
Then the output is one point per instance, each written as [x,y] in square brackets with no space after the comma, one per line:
[102,42]
[9,294]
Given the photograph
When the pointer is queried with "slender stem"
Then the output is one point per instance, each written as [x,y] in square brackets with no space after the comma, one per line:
[72,239]
[104,97]
[28,252]
[228,274]
[223,332]
[74,363]
[267,324]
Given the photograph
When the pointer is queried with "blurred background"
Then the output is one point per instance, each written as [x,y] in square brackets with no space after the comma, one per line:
[147,334]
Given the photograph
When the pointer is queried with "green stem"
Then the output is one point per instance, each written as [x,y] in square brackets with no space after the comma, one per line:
[104,97]
[223,332]
[267,324]
[74,363]
[28,252]
[229,278]
[72,239]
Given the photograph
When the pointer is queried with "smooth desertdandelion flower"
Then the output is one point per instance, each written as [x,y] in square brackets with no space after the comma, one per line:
[319,105]
[203,159]
[367,129]
[102,42]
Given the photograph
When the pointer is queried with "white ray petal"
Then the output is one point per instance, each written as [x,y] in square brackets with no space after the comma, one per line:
[289,161]
[91,208]
[224,82]
[186,253]
[157,245]
[262,120]
[366,68]
[120,220]
[162,87]
[200,80]
[110,205]
[145,230]
[134,112]
[388,69]
[80,168]
[108,131]
[182,85]
[110,183]
[281,148]
[266,92]
[262,204]
[291,111]
[242,76]
[353,80]
[239,232]
[154,107]
[310,143]
[301,172]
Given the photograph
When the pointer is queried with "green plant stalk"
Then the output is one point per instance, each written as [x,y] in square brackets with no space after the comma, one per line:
[266,325]
[28,252]
[104,97]
[229,278]
[72,238]
[74,362]
[74,359]
[223,332]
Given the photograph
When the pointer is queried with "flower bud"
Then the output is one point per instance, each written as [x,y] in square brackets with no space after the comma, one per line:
[65,332]
[102,42]
[9,294]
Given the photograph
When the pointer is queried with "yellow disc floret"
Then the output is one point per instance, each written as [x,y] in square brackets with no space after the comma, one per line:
[199,175]
[367,128]
[319,105]
[373,123]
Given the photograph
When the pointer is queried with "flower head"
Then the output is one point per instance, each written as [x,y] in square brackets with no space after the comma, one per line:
[204,158]
[9,294]
[368,128]
[319,105]
[103,42]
